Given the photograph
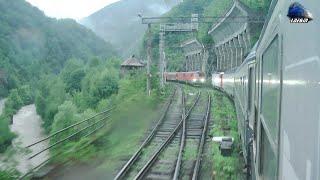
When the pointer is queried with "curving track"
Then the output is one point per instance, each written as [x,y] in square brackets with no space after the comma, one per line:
[196,127]
[174,148]
[167,123]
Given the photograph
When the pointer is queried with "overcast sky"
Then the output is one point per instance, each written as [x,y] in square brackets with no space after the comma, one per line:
[75,9]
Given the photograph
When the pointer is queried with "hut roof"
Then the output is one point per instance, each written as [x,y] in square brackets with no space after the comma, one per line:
[132,61]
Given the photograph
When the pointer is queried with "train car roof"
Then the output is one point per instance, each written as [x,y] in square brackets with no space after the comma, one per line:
[252,53]
[251,56]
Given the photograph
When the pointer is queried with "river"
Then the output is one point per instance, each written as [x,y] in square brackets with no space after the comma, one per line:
[27,126]
[2,101]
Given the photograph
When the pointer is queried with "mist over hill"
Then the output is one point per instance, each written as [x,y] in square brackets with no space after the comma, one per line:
[35,49]
[119,24]
[30,42]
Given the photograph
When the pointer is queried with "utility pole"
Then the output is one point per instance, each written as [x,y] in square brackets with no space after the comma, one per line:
[149,44]
[161,58]
[177,25]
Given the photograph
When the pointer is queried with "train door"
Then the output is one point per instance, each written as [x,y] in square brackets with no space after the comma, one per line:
[251,88]
[251,117]
[256,116]
[221,79]
[270,106]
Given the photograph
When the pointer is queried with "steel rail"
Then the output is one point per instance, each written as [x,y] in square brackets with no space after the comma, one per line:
[70,136]
[154,157]
[71,126]
[196,169]
[183,141]
[95,130]
[43,163]
[40,165]
[135,156]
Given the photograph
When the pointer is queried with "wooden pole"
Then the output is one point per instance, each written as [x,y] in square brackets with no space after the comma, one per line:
[161,58]
[149,44]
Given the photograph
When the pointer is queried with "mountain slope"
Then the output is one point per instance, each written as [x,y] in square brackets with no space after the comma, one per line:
[207,8]
[30,41]
[119,23]
[34,47]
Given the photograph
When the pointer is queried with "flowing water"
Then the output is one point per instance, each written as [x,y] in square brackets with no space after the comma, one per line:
[2,101]
[27,126]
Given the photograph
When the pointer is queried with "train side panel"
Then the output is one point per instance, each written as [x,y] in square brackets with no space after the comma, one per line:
[217,80]
[277,98]
[185,76]
[228,83]
[300,104]
[171,76]
[289,113]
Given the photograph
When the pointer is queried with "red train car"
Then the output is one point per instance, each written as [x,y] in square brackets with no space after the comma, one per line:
[195,76]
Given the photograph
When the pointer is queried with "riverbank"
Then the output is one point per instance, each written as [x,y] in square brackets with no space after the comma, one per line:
[27,125]
[2,101]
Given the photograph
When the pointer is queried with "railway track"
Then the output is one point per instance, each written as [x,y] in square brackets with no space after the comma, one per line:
[196,126]
[184,162]
[174,148]
[166,131]
[162,163]
[165,125]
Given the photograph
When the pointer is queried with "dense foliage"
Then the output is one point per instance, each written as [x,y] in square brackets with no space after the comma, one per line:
[223,112]
[207,8]
[31,43]
[65,99]
[8,175]
[174,54]
[16,99]
[33,48]
[78,87]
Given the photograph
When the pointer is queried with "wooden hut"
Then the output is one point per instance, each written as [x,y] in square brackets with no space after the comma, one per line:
[131,65]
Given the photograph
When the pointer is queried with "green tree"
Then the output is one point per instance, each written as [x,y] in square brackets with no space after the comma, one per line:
[99,85]
[67,115]
[6,135]
[8,175]
[14,100]
[73,81]
[26,94]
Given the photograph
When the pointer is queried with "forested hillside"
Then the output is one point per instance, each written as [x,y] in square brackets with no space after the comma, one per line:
[33,47]
[28,40]
[209,8]
[119,22]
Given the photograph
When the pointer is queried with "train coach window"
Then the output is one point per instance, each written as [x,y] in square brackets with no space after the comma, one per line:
[270,104]
[250,85]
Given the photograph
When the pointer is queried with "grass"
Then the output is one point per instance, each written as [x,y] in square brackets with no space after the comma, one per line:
[128,130]
[113,145]
[191,150]
[224,115]
[169,154]
[190,95]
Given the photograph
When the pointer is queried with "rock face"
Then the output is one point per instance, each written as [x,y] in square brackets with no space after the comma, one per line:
[120,25]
